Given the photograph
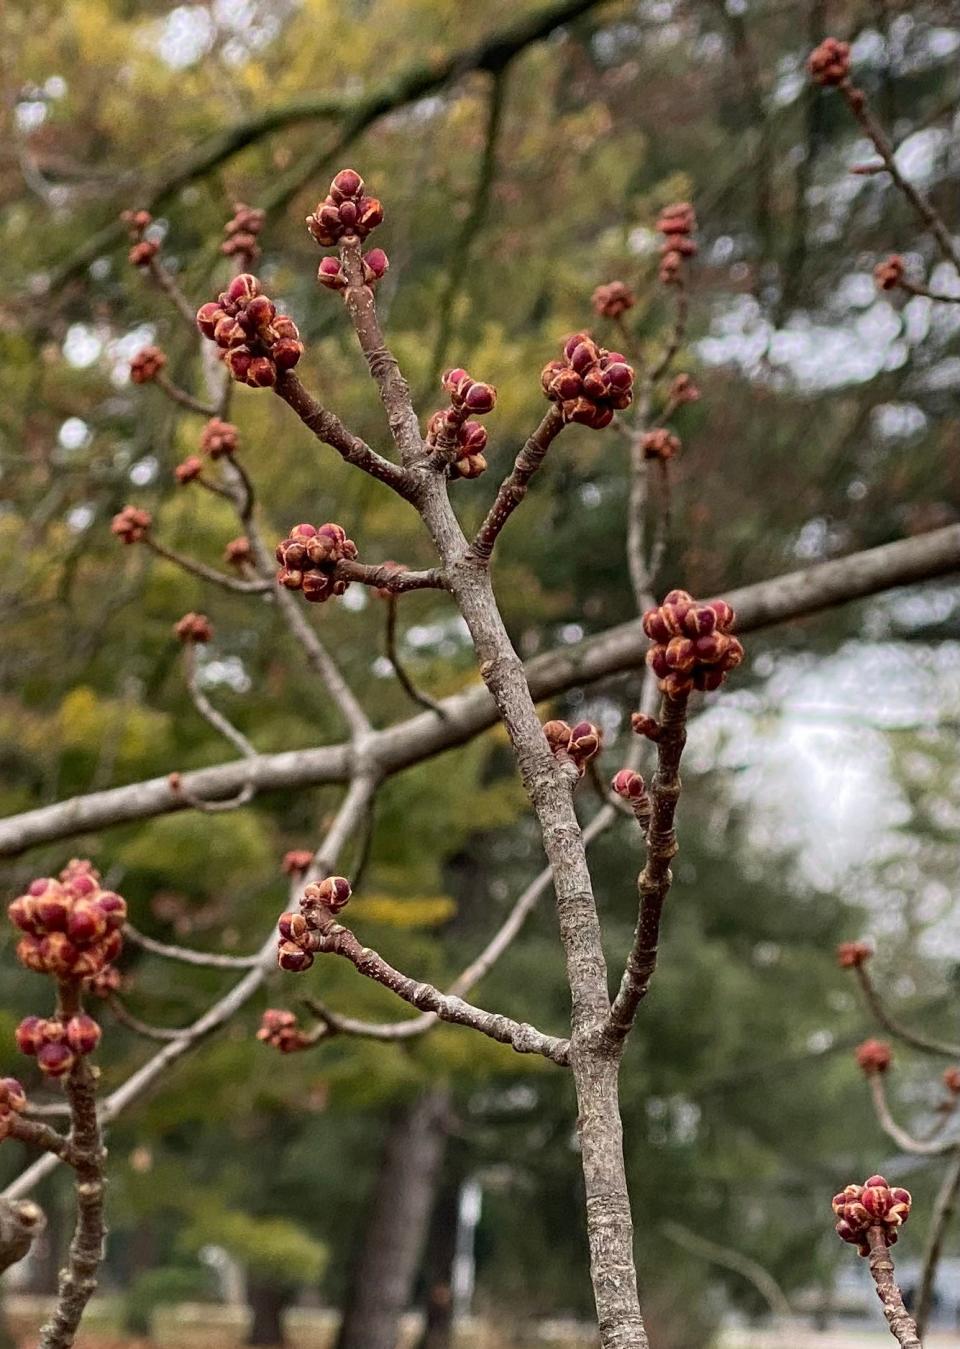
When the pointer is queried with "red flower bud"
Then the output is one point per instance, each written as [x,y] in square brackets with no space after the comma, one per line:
[874,1056]
[292,958]
[851,954]
[83,1034]
[190,469]
[194,628]
[629,784]
[56,1060]
[829,64]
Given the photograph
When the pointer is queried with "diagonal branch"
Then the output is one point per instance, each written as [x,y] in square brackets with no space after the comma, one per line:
[206,573]
[943,1210]
[514,488]
[917,1147]
[925,1043]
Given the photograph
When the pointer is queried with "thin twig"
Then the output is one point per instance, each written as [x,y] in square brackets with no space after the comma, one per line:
[166,281]
[514,488]
[190,564]
[943,1209]
[906,1142]
[143,1028]
[186,955]
[925,1043]
[899,1320]
[178,395]
[761,1279]
[392,654]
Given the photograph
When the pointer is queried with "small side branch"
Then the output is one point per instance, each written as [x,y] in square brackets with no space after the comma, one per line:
[329,429]
[906,1142]
[924,209]
[165,281]
[755,1274]
[943,1210]
[391,385]
[338,940]
[387,577]
[184,399]
[187,956]
[143,1028]
[655,878]
[514,488]
[404,680]
[189,564]
[925,1043]
[225,728]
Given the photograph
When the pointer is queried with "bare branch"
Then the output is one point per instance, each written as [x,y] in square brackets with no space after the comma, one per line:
[728,1258]
[189,564]
[166,282]
[943,1210]
[898,1318]
[187,955]
[185,400]
[149,1032]
[925,1043]
[406,683]
[906,1142]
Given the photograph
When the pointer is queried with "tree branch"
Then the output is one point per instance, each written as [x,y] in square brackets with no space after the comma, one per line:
[926,1044]
[906,1142]
[943,1209]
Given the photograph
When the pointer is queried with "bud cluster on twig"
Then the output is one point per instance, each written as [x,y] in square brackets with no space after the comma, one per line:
[193,628]
[143,250]
[308,559]
[575,745]
[147,364]
[611,301]
[57,1044]
[131,524]
[320,901]
[588,383]
[13,1101]
[280,1030]
[71,925]
[453,432]
[347,213]
[255,340]
[693,647]
[242,230]
[676,223]
[874,1056]
[873,1204]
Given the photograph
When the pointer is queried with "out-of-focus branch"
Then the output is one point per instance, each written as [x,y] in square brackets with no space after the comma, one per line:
[144,1028]
[458,267]
[166,282]
[943,1210]
[225,727]
[393,656]
[925,1043]
[906,1142]
[728,1258]
[620,649]
[185,400]
[196,568]
[188,956]
[21,1222]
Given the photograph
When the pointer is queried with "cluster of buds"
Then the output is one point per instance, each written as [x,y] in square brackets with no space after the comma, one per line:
[219,438]
[131,524]
[852,954]
[57,1044]
[189,470]
[193,628]
[890,273]
[143,250]
[613,300]
[147,365]
[280,1030]
[575,745]
[829,64]
[308,559]
[693,648]
[660,444]
[374,264]
[872,1204]
[641,723]
[346,211]
[300,932]
[676,223]
[256,341]
[71,925]
[453,428]
[296,862]
[241,231]
[874,1056]
[589,383]
[13,1101]
[238,552]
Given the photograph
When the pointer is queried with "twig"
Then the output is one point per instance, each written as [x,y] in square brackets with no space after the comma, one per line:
[654,881]
[143,1028]
[334,938]
[166,281]
[677,334]
[925,1043]
[187,956]
[391,385]
[178,395]
[329,429]
[78,1280]
[234,583]
[906,1142]
[898,1318]
[761,1279]
[514,488]
[857,102]
[225,728]
[943,1209]
[385,577]
[404,680]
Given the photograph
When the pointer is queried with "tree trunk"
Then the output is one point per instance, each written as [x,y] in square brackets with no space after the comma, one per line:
[441,1249]
[268,1301]
[382,1279]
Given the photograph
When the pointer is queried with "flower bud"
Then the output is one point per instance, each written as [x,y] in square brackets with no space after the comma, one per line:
[29,1035]
[147,364]
[334,893]
[851,954]
[292,958]
[613,300]
[55,1060]
[189,470]
[131,524]
[647,726]
[829,64]
[83,1034]
[889,273]
[629,784]
[874,1056]
[292,927]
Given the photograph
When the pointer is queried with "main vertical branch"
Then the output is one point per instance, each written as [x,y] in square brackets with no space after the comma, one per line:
[594,1062]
